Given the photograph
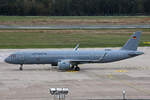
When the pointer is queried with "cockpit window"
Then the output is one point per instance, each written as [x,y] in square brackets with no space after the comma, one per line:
[13,56]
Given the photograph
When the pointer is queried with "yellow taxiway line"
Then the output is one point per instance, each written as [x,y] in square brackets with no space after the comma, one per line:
[72,71]
[121,71]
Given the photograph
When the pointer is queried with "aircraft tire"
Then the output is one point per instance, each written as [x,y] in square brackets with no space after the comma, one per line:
[77,69]
[21,68]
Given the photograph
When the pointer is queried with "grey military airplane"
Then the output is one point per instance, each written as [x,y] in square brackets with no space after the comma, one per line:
[70,59]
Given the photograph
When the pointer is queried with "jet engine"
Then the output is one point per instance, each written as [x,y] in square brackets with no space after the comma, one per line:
[64,65]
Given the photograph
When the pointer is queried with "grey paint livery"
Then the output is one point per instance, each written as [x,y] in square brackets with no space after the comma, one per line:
[70,59]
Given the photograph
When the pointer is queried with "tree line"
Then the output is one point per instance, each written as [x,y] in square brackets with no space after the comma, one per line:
[74,7]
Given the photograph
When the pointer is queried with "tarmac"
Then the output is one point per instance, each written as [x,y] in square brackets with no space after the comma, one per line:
[93,81]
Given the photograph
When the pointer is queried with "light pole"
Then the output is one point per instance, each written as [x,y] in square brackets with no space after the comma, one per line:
[124,94]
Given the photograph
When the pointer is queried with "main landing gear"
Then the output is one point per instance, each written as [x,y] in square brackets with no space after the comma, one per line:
[21,67]
[75,68]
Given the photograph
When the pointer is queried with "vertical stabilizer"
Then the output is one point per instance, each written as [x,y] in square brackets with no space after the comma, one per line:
[133,42]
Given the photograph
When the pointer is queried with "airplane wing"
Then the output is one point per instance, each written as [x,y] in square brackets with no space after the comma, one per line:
[82,61]
[76,48]
[74,61]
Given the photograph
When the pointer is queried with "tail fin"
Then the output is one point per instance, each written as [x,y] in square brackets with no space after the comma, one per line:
[133,42]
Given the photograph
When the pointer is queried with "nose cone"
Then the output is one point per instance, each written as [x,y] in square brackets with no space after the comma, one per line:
[7,60]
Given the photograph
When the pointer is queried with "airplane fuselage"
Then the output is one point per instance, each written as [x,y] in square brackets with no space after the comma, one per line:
[84,56]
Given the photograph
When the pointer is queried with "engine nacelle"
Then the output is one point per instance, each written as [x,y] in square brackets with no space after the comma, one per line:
[64,65]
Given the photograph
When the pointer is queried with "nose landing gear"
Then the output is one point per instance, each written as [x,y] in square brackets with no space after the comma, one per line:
[21,67]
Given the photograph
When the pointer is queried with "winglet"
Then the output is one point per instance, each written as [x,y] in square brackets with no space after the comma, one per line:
[133,42]
[76,48]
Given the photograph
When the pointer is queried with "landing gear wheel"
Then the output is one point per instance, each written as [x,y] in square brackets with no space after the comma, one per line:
[21,67]
[77,69]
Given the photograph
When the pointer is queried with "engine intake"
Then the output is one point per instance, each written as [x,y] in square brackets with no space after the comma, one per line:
[64,65]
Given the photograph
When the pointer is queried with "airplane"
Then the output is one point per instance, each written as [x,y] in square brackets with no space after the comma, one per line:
[70,59]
